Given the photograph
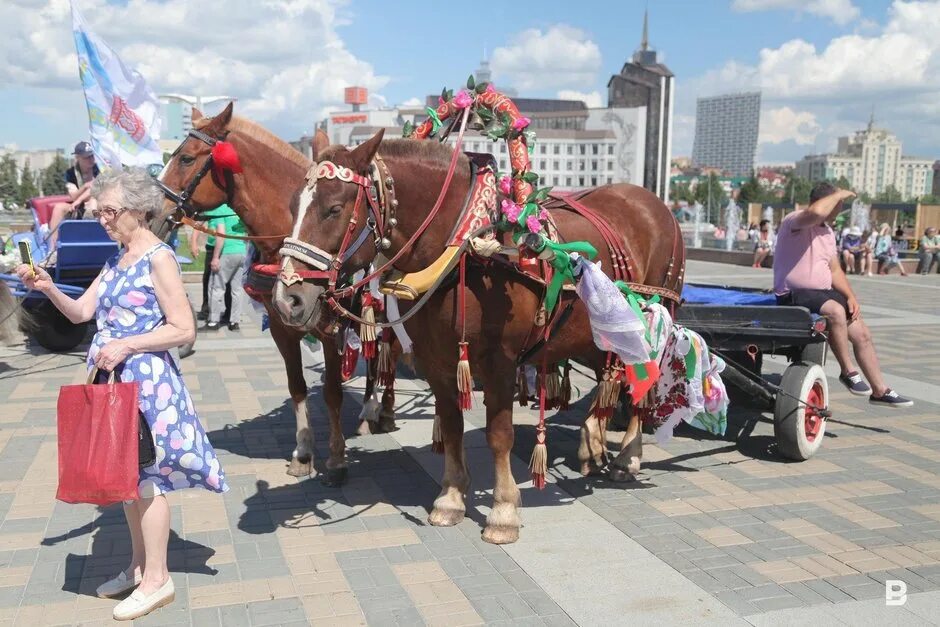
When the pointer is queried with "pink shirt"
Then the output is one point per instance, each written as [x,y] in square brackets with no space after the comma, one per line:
[803,252]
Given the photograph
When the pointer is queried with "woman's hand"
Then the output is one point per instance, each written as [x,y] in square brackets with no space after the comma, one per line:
[112,355]
[215,265]
[34,278]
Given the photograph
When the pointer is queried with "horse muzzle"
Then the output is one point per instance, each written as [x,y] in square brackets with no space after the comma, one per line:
[299,305]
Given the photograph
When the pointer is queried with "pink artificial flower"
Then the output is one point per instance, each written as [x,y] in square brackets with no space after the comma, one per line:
[463,99]
[543,214]
[441,101]
[505,185]
[490,89]
[511,210]
[520,123]
[533,224]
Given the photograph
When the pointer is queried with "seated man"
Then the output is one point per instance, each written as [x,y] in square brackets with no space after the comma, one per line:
[852,249]
[929,251]
[807,273]
[78,180]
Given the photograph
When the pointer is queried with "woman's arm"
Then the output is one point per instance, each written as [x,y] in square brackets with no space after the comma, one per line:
[178,328]
[77,310]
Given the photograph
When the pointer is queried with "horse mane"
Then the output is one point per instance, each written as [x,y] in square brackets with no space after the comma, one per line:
[263,136]
[418,150]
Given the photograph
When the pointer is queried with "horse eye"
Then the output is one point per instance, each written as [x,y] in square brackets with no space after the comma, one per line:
[187,159]
[335,210]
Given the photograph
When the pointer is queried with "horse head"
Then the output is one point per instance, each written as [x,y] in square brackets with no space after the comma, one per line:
[337,230]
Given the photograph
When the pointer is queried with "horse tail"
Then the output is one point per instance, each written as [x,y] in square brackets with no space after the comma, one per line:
[13,319]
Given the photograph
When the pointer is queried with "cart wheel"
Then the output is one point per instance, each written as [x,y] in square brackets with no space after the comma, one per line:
[55,332]
[815,353]
[799,429]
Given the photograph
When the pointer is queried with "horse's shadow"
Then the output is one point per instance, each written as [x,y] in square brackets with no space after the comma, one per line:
[111,551]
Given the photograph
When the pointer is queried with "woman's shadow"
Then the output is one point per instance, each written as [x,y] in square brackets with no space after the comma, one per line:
[111,552]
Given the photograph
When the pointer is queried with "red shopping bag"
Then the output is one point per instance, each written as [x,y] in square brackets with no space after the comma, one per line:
[98,450]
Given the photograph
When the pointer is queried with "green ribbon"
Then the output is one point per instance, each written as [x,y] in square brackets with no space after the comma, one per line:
[561,263]
[690,360]
[637,303]
[435,121]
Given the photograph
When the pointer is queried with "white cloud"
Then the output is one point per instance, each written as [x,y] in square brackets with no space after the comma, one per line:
[283,59]
[414,101]
[839,11]
[560,57]
[785,124]
[593,99]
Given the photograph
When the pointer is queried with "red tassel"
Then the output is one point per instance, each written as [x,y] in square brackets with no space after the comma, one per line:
[386,367]
[225,157]
[367,329]
[608,393]
[350,359]
[464,380]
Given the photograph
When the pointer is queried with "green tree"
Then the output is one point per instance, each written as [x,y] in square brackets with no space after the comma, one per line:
[929,199]
[751,191]
[52,179]
[9,183]
[842,183]
[681,191]
[889,194]
[28,188]
[712,195]
[797,190]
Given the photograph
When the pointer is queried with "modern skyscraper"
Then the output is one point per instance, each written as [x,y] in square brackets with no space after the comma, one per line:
[726,130]
[644,82]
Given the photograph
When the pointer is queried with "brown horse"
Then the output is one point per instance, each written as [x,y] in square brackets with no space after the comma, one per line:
[501,303]
[261,195]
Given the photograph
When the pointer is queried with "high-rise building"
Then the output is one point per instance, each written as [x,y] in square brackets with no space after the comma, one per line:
[644,82]
[871,161]
[726,130]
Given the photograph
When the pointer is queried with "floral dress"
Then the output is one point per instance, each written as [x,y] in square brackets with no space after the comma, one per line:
[127,306]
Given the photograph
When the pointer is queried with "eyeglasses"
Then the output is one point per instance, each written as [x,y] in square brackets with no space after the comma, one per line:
[108,213]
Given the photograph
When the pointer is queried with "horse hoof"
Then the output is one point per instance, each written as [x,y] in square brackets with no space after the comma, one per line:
[334,477]
[500,534]
[620,475]
[446,517]
[386,424]
[300,469]
[591,469]
[364,428]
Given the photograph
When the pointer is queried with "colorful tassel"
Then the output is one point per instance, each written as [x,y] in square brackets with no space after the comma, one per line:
[386,367]
[437,440]
[608,393]
[522,385]
[367,329]
[565,397]
[538,464]
[464,380]
[552,389]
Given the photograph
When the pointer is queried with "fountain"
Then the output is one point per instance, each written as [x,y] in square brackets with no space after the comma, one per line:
[732,224]
[697,217]
[860,215]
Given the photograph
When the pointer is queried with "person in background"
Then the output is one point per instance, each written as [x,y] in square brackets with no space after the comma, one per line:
[194,240]
[763,243]
[869,239]
[228,270]
[141,309]
[886,251]
[807,273]
[929,251]
[78,180]
[852,249]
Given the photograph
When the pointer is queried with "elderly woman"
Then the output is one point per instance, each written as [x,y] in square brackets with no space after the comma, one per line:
[141,310]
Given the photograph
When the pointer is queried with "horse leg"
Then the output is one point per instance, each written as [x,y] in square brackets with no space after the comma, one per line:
[369,416]
[336,469]
[626,466]
[301,463]
[592,451]
[502,524]
[449,506]
[387,413]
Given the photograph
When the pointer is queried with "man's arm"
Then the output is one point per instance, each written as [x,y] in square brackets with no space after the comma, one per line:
[840,283]
[819,211]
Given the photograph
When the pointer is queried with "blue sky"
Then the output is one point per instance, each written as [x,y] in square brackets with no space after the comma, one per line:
[821,64]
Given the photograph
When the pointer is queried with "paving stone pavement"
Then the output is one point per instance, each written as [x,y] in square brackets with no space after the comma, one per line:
[716,531]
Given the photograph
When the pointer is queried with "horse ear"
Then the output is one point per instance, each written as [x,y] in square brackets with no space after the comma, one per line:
[197,114]
[221,121]
[320,141]
[364,153]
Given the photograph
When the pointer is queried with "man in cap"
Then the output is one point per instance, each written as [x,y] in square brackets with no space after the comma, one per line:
[807,273]
[78,180]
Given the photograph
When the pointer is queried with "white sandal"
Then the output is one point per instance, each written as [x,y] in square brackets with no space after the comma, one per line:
[118,585]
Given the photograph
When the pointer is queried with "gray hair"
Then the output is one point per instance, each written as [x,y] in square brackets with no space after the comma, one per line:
[139,191]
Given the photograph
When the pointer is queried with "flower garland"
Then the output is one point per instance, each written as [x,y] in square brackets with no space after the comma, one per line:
[499,118]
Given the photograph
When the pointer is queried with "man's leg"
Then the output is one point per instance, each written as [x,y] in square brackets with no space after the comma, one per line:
[923,262]
[59,212]
[206,274]
[838,334]
[860,337]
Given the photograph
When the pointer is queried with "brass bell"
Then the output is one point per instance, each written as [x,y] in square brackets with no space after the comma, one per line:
[393,222]
[475,122]
[394,203]
[389,181]
[385,243]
